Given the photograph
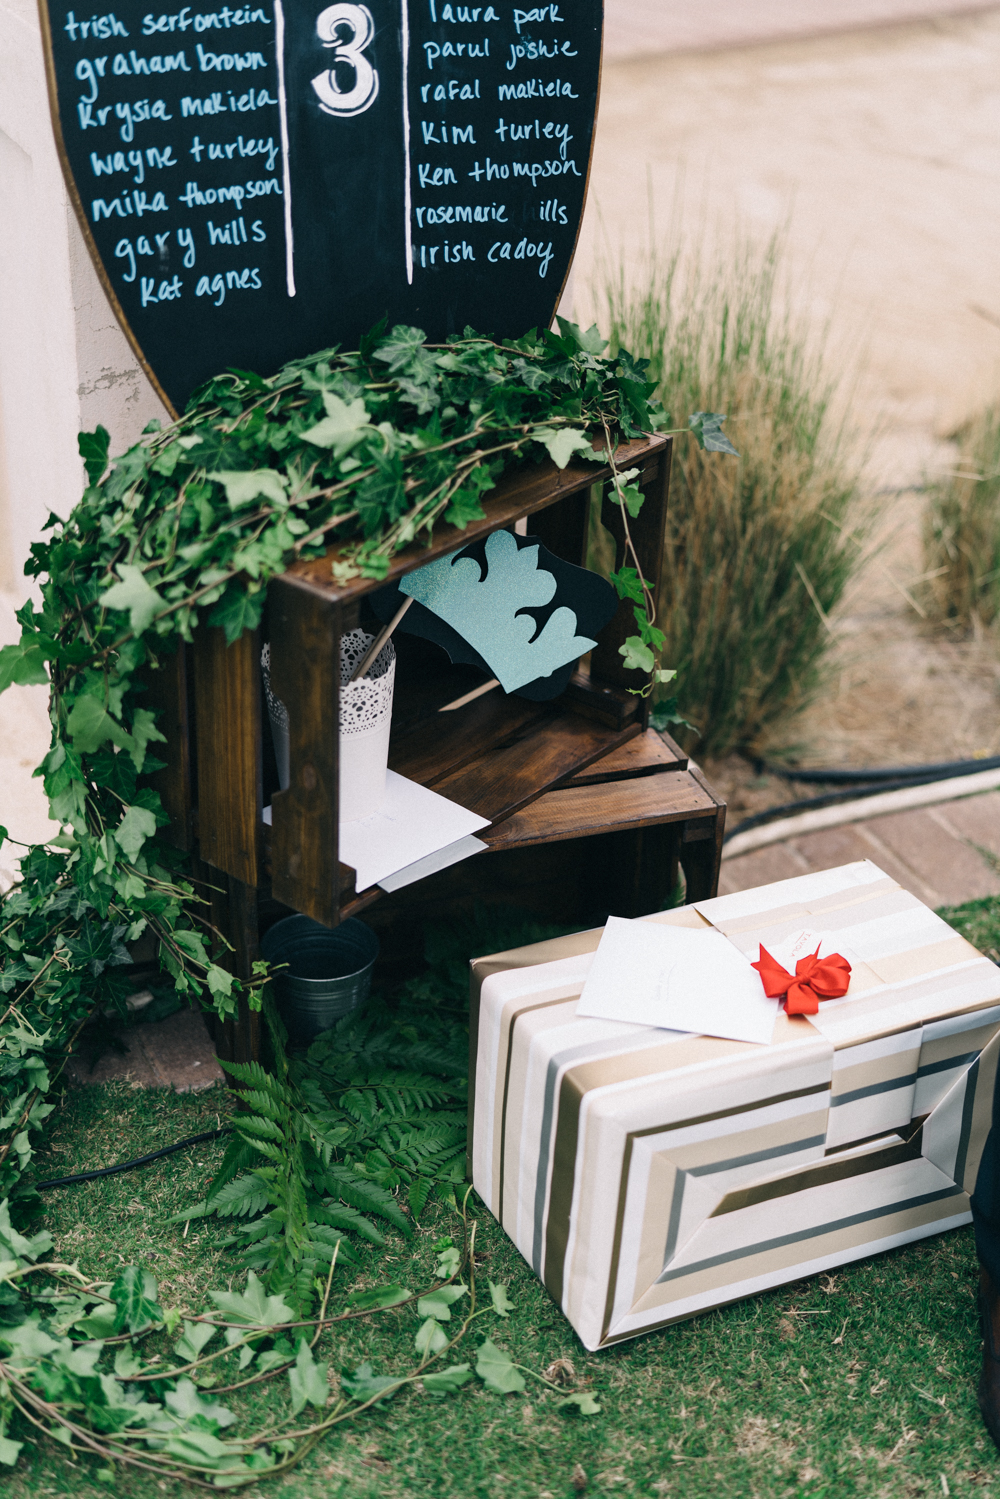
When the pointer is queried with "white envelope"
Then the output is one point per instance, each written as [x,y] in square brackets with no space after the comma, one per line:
[677,979]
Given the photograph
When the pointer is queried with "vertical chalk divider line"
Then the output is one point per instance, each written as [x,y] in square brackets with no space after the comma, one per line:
[407,185]
[286,171]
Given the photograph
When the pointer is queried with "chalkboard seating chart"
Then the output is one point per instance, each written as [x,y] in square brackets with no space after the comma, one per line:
[260,180]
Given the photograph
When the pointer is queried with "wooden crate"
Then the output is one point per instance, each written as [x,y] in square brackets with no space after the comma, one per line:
[590,813]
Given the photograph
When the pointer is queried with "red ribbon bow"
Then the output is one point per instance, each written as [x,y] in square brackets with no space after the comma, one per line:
[815,978]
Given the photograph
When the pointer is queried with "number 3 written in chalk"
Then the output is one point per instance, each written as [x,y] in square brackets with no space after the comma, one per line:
[330,25]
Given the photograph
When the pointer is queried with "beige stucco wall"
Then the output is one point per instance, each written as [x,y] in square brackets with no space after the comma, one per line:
[64,362]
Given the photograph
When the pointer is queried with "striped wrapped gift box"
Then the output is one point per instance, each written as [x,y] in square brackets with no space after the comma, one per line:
[647,1175]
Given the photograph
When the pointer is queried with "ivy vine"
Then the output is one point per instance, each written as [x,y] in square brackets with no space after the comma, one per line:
[369,450]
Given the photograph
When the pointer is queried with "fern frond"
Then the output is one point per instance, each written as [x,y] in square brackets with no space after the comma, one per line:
[420,1190]
[266,1129]
[349,1219]
[265,1103]
[279,1157]
[239,1157]
[360,1192]
[325,1240]
[361,1105]
[254,1076]
[244,1197]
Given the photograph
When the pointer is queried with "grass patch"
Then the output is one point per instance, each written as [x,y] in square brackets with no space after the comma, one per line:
[860,1382]
[857,1383]
[962,531]
[978,921]
[759,549]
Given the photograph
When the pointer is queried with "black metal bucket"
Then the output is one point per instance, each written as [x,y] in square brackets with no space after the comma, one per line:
[329,972]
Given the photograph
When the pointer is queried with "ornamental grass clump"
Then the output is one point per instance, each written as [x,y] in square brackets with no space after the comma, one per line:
[758,551]
[962,531]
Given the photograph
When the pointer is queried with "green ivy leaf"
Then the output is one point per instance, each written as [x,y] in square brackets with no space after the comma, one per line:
[590,342]
[135,827]
[244,486]
[94,452]
[364,1383]
[101,1323]
[584,1403]
[134,594]
[22,665]
[144,732]
[430,1339]
[307,1380]
[343,427]
[398,348]
[633,498]
[502,1303]
[497,1371]
[9,1450]
[253,1306]
[90,725]
[638,657]
[237,611]
[464,508]
[193,1339]
[439,1303]
[134,1294]
[219,981]
[562,444]
[446,1381]
[707,428]
[448,1261]
[127,1362]
[628,585]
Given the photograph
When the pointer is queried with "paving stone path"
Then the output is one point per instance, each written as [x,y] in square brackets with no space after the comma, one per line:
[173,1053]
[934,852]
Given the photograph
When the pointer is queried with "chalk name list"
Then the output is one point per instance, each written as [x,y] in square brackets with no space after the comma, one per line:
[259,181]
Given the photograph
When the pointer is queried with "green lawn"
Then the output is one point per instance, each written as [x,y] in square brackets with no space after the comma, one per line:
[861,1382]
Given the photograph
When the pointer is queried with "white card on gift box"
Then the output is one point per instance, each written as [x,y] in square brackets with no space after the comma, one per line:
[677,979]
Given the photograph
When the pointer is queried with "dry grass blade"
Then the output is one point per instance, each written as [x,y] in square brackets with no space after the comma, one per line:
[961,587]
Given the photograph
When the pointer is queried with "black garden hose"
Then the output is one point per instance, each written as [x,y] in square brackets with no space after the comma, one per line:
[142,1160]
[918,775]
[858,784]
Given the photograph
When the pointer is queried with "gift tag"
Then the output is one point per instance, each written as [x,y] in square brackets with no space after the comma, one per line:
[789,950]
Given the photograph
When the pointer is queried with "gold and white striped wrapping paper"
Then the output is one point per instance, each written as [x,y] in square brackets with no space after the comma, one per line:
[647,1175]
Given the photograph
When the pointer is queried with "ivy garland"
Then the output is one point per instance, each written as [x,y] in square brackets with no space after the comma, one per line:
[367,449]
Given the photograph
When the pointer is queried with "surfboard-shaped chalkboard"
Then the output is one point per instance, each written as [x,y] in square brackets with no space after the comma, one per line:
[259,181]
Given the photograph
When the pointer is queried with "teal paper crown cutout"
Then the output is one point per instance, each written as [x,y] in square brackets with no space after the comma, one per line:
[484,611]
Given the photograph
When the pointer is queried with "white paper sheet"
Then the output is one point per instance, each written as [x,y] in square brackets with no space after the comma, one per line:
[442,859]
[678,979]
[415,827]
[413,823]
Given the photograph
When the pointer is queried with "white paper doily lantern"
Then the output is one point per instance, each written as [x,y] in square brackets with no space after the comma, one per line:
[365,721]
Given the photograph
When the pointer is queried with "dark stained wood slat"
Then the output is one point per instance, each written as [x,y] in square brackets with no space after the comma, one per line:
[227,713]
[528,488]
[502,781]
[597,700]
[447,741]
[167,695]
[305,673]
[701,846]
[576,812]
[645,755]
